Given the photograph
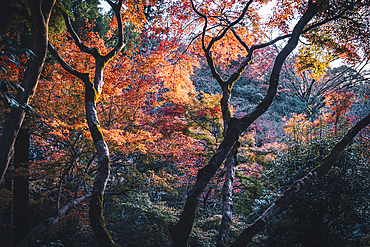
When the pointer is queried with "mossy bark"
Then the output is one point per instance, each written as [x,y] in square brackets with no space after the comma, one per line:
[92,92]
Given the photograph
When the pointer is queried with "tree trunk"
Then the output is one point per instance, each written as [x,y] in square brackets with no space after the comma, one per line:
[227,195]
[20,187]
[285,200]
[39,18]
[7,240]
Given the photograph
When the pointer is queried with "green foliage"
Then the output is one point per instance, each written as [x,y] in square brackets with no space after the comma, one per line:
[205,231]
[6,198]
[335,210]
[137,221]
[11,58]
[252,190]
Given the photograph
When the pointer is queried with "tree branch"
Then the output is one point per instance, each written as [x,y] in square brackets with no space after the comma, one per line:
[241,16]
[49,222]
[205,23]
[248,119]
[284,201]
[92,51]
[117,10]
[66,66]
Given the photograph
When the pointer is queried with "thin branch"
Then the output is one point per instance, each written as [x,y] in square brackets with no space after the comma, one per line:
[240,39]
[61,181]
[117,10]
[92,51]
[49,222]
[263,45]
[205,24]
[66,66]
[213,40]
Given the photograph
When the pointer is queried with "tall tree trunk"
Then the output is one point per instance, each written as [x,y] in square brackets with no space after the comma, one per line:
[180,231]
[230,166]
[20,187]
[93,91]
[227,195]
[8,181]
[39,18]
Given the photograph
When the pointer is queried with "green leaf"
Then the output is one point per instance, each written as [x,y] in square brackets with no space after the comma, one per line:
[11,102]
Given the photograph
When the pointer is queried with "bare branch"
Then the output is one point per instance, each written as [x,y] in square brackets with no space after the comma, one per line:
[205,24]
[49,222]
[62,179]
[93,51]
[218,37]
[239,39]
[117,10]
[263,45]
[66,66]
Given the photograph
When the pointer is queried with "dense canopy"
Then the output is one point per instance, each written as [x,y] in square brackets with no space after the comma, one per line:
[185,123]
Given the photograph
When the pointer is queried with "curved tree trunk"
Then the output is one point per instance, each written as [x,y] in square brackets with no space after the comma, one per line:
[230,165]
[180,231]
[93,91]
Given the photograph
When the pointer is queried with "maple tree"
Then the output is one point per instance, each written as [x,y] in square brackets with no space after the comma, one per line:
[152,133]
[93,89]
[137,96]
[235,126]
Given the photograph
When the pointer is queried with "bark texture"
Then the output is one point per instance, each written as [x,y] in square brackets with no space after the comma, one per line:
[93,91]
[39,18]
[20,187]
[227,195]
[180,231]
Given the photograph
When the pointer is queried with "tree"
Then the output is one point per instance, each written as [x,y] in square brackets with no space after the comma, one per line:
[236,126]
[333,212]
[93,90]
[39,16]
